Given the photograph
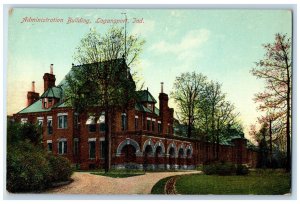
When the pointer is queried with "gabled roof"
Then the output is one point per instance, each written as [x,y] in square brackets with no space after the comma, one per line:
[53,92]
[145,96]
[35,107]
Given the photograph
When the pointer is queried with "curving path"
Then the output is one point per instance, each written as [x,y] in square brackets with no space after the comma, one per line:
[86,183]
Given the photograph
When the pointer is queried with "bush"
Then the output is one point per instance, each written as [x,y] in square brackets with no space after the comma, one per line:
[27,170]
[242,169]
[210,169]
[31,169]
[60,167]
[225,169]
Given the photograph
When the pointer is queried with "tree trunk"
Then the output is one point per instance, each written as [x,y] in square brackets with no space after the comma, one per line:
[288,141]
[107,141]
[270,131]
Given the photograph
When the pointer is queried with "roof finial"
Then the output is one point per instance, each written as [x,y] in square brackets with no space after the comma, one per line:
[161,87]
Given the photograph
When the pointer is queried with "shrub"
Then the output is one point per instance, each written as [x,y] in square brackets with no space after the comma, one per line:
[242,169]
[26,170]
[210,169]
[61,169]
[223,169]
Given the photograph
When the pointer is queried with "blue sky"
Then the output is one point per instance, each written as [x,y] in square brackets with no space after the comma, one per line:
[221,44]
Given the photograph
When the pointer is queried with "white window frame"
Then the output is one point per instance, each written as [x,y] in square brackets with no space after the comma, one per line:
[63,122]
[63,140]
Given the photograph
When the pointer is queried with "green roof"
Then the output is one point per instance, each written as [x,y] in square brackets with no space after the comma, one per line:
[145,96]
[140,107]
[35,107]
[53,92]
[156,111]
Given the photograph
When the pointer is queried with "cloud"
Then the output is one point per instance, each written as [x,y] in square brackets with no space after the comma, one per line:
[187,47]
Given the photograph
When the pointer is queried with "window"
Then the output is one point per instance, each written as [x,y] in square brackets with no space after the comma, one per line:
[149,106]
[159,127]
[92,149]
[148,124]
[24,120]
[92,128]
[124,121]
[45,104]
[76,120]
[76,146]
[49,102]
[153,125]
[102,149]
[49,145]
[91,123]
[40,122]
[49,126]
[101,121]
[136,122]
[62,147]
[62,121]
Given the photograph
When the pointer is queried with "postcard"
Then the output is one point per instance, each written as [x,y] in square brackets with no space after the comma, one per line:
[149,101]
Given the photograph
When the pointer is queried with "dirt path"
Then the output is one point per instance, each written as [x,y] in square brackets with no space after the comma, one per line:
[86,183]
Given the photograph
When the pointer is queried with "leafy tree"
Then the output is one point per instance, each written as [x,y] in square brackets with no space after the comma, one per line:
[187,88]
[276,69]
[203,108]
[103,78]
[217,115]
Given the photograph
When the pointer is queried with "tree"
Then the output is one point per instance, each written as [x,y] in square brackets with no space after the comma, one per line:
[103,78]
[276,69]
[186,90]
[217,116]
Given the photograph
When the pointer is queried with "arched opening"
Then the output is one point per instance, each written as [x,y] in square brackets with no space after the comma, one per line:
[172,157]
[128,151]
[147,153]
[181,158]
[188,153]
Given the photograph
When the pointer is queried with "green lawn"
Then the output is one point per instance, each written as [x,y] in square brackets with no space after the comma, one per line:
[159,187]
[260,182]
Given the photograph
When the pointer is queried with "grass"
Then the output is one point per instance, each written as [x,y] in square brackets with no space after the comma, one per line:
[159,187]
[260,182]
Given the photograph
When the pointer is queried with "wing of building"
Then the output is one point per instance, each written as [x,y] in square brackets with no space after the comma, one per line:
[142,137]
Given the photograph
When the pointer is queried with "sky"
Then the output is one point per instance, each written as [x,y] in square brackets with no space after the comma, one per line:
[221,44]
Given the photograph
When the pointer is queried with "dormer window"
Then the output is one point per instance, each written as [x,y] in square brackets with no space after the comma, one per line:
[149,105]
[49,102]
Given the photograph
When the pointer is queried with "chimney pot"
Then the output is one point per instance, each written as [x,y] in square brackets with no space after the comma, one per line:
[161,87]
[51,68]
[33,86]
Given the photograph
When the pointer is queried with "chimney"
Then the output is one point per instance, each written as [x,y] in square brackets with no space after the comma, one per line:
[32,96]
[161,87]
[164,110]
[33,86]
[51,68]
[49,79]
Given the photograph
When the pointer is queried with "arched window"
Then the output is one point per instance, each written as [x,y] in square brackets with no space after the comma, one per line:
[124,121]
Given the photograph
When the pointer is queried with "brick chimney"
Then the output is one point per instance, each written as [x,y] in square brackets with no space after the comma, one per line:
[164,112]
[32,96]
[49,79]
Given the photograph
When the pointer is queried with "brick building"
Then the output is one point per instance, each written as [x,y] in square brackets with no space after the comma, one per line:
[142,137]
